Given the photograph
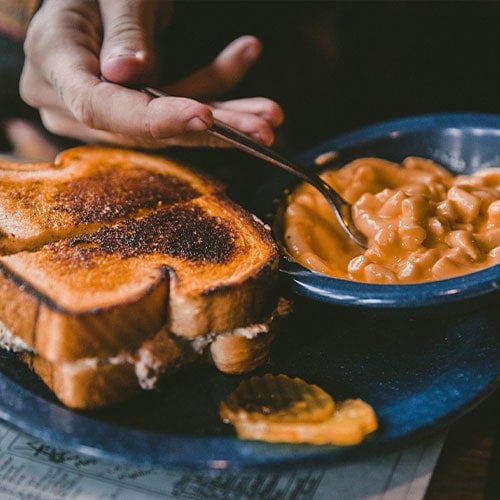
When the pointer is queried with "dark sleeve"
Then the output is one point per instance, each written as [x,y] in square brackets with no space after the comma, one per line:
[11,63]
[15,16]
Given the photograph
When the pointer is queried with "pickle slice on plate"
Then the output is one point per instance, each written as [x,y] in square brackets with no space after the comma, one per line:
[277,398]
[277,408]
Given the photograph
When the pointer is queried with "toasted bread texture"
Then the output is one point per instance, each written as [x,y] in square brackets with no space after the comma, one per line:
[84,187]
[200,267]
[106,247]
[94,382]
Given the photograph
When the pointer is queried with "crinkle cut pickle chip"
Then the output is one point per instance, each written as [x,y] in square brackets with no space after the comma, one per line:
[278,408]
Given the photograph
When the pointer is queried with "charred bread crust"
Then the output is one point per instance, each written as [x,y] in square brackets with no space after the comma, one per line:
[232,303]
[72,323]
[191,286]
[86,187]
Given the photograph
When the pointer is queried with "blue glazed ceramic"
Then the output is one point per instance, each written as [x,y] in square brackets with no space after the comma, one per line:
[421,368]
[464,143]
[420,375]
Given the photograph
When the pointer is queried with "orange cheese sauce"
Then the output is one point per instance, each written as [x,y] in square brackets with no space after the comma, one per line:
[422,222]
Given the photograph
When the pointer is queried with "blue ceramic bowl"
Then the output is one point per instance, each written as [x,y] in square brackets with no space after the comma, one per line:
[463,143]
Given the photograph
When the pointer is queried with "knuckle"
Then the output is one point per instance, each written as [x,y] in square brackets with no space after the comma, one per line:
[151,130]
[34,34]
[83,111]
[29,44]
[34,42]
[155,130]
[87,102]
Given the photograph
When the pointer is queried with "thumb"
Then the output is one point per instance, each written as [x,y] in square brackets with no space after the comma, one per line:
[128,34]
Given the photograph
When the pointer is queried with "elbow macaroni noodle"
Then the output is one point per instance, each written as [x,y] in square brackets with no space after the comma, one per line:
[422,222]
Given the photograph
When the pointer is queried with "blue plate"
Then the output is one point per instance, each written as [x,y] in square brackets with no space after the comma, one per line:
[420,368]
[419,373]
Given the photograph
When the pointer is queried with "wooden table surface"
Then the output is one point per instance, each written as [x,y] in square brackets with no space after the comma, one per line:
[469,465]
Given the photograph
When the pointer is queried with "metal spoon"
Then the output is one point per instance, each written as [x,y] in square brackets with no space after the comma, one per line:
[341,207]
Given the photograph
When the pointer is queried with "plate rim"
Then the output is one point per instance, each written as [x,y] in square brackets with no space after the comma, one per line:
[153,448]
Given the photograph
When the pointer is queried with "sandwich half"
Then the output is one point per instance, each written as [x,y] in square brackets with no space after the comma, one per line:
[118,267]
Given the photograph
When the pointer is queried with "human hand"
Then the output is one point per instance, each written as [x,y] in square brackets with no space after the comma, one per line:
[72,44]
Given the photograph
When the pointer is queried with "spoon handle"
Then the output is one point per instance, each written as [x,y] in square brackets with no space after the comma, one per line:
[341,207]
[242,141]
[245,143]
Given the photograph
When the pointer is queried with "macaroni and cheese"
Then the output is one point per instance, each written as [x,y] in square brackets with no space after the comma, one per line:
[422,222]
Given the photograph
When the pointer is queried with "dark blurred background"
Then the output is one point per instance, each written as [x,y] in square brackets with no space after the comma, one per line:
[339,65]
[333,66]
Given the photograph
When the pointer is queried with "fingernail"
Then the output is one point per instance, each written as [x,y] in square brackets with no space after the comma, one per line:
[196,124]
[267,139]
[139,55]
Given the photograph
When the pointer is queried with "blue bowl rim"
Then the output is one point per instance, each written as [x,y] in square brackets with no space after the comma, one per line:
[335,290]
[414,123]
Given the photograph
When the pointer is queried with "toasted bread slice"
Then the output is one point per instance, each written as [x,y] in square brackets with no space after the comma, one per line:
[85,187]
[107,247]
[95,382]
[199,267]
[85,385]
[134,243]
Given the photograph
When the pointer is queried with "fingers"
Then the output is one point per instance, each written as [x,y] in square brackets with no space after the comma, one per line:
[252,124]
[249,124]
[105,106]
[109,107]
[246,115]
[225,71]
[63,81]
[55,120]
[127,47]
[62,78]
[51,54]
[257,117]
[268,110]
